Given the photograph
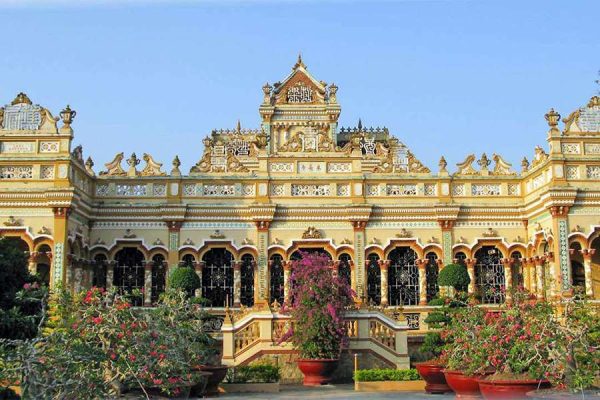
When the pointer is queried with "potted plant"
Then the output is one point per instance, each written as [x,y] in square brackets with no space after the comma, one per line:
[432,370]
[316,301]
[523,342]
[580,357]
[454,279]
[465,351]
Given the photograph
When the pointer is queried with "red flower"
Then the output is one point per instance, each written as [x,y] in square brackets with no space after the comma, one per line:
[157,381]
[173,380]
[97,320]
[132,357]
[113,356]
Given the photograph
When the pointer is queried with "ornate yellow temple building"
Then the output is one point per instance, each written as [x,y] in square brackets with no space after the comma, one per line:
[299,182]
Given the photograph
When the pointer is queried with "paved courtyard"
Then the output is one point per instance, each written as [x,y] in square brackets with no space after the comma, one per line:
[332,392]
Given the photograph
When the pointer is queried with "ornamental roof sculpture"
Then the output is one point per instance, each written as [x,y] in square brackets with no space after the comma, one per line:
[585,119]
[22,115]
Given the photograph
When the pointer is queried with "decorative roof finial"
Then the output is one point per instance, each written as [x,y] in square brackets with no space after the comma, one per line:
[359,125]
[21,99]
[443,164]
[176,163]
[552,117]
[299,63]
[238,127]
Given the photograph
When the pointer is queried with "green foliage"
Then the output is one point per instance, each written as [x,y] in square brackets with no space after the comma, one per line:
[372,375]
[13,271]
[456,276]
[438,301]
[254,373]
[184,278]
[97,342]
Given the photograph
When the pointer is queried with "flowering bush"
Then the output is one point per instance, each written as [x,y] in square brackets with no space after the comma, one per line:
[465,347]
[316,303]
[97,343]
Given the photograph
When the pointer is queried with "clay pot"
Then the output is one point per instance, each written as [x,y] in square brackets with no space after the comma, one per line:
[433,374]
[318,371]
[509,388]
[218,373]
[465,387]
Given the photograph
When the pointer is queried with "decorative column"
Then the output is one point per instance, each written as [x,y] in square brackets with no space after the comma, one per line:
[446,225]
[359,280]
[422,264]
[110,273]
[173,256]
[147,283]
[539,275]
[59,265]
[531,276]
[587,268]
[237,283]
[286,280]
[198,266]
[560,225]
[31,262]
[471,270]
[525,267]
[508,263]
[77,275]
[261,292]
[384,266]
[553,285]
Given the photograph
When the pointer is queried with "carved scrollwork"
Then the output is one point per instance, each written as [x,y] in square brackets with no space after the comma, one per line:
[312,233]
[466,167]
[152,167]
[12,221]
[114,167]
[502,167]
[415,165]
[539,156]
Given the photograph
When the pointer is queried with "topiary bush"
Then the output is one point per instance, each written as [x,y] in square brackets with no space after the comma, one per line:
[184,278]
[373,375]
[456,276]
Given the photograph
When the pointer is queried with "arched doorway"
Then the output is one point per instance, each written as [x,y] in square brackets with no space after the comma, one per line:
[99,268]
[129,273]
[276,283]
[158,277]
[42,268]
[516,270]
[217,277]
[489,275]
[373,279]
[403,277]
[247,280]
[431,275]
[344,270]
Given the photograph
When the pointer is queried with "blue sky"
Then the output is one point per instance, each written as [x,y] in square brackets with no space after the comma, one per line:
[447,77]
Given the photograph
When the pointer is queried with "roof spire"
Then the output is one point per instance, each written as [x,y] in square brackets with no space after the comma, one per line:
[359,125]
[299,63]
[238,127]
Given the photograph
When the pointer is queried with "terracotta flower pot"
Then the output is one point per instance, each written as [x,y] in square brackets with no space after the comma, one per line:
[317,372]
[218,373]
[509,388]
[432,373]
[465,387]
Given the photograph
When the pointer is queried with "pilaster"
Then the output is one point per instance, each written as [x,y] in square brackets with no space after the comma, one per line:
[508,263]
[471,270]
[174,229]
[237,283]
[562,265]
[359,271]
[148,283]
[59,265]
[261,292]
[446,225]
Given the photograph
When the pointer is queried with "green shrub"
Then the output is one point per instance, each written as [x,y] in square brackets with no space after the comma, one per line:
[372,375]
[257,373]
[456,276]
[184,278]
[437,302]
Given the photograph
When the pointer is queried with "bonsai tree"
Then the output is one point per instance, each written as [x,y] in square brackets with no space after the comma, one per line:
[455,276]
[436,320]
[184,278]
